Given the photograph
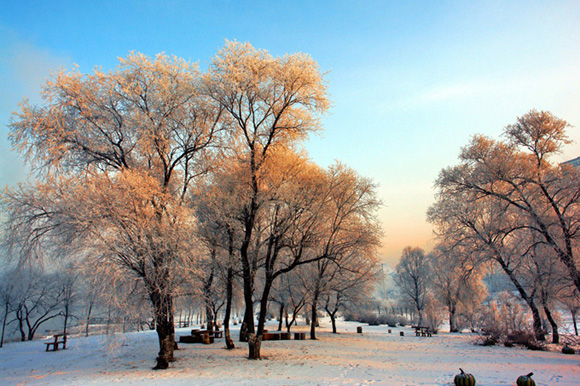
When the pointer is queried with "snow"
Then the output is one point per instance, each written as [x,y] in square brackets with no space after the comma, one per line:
[374,357]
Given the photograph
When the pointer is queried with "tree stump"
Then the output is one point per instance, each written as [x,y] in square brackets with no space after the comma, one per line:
[402,333]
[359,329]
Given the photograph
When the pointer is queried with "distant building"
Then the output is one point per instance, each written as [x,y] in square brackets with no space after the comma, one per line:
[574,162]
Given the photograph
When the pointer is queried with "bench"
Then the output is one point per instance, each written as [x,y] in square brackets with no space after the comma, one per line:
[199,336]
[299,335]
[58,339]
[422,331]
[276,335]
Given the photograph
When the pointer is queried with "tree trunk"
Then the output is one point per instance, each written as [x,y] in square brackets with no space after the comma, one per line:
[66,316]
[333,320]
[247,276]
[209,315]
[163,307]
[229,295]
[255,345]
[208,306]
[108,326]
[281,317]
[255,340]
[452,324]
[537,321]
[20,318]
[313,315]
[248,326]
[247,321]
[553,324]
[573,312]
[89,311]
[6,308]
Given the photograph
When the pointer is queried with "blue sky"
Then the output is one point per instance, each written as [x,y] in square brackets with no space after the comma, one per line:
[410,81]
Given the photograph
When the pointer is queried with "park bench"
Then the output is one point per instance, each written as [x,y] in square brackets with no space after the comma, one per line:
[299,335]
[422,331]
[199,336]
[276,335]
[58,339]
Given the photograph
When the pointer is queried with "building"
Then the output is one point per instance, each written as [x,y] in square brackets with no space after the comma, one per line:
[574,162]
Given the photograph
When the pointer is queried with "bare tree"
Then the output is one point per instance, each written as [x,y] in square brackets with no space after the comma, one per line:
[38,299]
[414,278]
[7,297]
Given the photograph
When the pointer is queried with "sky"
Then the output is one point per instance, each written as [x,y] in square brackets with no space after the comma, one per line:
[411,81]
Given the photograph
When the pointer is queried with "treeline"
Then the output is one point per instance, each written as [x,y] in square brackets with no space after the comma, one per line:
[174,182]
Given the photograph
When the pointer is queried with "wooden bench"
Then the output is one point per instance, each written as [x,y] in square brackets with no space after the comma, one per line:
[299,335]
[199,336]
[422,331]
[58,339]
[276,335]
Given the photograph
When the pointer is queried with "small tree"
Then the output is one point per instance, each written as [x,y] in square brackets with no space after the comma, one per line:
[459,288]
[38,299]
[414,279]
[7,297]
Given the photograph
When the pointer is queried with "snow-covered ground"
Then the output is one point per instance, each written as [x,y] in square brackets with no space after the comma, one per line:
[347,358]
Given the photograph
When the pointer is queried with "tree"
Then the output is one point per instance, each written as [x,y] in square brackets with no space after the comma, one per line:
[271,104]
[115,154]
[532,202]
[458,287]
[7,297]
[489,232]
[292,291]
[38,299]
[414,278]
[519,173]
[217,206]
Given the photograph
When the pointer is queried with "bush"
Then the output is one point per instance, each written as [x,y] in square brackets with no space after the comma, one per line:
[503,321]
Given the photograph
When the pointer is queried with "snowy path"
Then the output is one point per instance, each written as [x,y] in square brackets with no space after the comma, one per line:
[375,357]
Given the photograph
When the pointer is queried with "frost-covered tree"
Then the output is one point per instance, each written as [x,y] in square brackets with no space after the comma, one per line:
[458,287]
[519,173]
[271,104]
[115,154]
[7,297]
[37,299]
[507,200]
[414,279]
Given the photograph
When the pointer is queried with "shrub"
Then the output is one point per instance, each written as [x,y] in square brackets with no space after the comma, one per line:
[503,321]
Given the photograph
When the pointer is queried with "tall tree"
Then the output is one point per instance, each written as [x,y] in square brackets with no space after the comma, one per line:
[489,232]
[519,173]
[115,154]
[270,103]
